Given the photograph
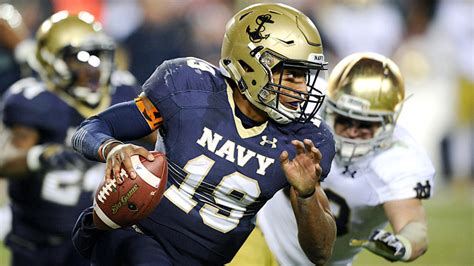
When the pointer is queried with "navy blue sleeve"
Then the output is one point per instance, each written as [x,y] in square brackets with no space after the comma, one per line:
[328,150]
[122,121]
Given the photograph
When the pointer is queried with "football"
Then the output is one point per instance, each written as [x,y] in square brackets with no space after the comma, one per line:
[123,205]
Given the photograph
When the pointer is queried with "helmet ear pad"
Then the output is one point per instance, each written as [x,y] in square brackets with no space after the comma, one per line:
[270,97]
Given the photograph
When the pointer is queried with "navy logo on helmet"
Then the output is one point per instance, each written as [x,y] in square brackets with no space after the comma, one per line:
[256,35]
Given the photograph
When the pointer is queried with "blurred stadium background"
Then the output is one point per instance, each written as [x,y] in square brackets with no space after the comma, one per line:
[431,40]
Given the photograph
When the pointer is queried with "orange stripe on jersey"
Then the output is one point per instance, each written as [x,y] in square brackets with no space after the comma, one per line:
[150,113]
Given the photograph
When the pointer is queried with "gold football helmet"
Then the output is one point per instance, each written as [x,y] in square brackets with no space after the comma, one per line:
[264,38]
[368,88]
[75,59]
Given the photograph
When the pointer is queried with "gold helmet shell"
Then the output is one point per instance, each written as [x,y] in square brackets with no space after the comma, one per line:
[367,87]
[372,80]
[80,36]
[262,36]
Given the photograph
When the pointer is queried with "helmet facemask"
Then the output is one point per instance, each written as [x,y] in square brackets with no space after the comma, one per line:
[87,73]
[351,150]
[283,103]
[305,104]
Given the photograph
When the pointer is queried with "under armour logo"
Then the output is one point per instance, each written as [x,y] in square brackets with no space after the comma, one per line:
[423,191]
[256,35]
[266,141]
[349,172]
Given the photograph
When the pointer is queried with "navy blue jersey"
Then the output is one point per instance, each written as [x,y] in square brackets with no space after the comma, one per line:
[220,172]
[50,202]
[10,70]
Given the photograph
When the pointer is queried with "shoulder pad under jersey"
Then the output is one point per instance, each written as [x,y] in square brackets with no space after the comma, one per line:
[403,169]
[28,103]
[182,75]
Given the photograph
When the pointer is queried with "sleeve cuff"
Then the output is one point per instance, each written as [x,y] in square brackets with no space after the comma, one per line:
[33,158]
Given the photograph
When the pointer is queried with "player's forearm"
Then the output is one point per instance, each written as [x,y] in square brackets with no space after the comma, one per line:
[417,234]
[316,225]
[14,168]
[13,159]
[122,122]
[90,136]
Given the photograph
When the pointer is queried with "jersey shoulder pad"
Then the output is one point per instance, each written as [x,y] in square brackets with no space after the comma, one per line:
[30,95]
[183,75]
[28,103]
[403,168]
[26,87]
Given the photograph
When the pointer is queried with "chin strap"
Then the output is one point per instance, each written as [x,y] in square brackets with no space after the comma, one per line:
[408,248]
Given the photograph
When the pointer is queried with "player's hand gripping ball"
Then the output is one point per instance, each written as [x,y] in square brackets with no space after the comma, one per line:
[123,205]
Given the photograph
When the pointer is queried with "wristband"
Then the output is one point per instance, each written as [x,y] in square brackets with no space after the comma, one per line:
[305,196]
[114,149]
[33,157]
[104,147]
[408,247]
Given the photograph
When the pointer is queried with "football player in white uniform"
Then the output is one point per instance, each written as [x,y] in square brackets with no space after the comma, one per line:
[380,174]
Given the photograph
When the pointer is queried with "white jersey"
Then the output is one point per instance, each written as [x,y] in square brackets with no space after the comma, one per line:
[356,194]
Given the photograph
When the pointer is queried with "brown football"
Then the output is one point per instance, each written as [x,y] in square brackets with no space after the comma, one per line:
[123,205]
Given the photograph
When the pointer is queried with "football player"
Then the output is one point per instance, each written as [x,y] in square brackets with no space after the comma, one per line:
[15,46]
[12,32]
[49,183]
[234,136]
[380,174]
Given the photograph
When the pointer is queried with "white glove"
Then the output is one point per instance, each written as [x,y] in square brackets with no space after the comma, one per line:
[385,244]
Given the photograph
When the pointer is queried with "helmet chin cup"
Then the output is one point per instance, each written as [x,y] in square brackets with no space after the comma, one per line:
[279,116]
[350,151]
[86,96]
